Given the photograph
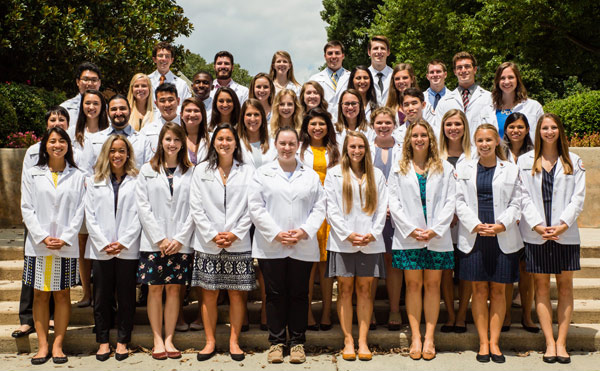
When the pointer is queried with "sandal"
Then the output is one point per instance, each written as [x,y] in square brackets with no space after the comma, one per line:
[394,321]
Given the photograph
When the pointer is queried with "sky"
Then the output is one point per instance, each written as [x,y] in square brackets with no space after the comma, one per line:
[253,30]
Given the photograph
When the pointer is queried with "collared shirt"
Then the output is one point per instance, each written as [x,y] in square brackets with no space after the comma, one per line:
[471,89]
[183,90]
[127,130]
[385,79]
[430,95]
[337,73]
[208,106]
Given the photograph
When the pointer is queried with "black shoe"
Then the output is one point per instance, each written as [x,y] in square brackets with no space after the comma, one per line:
[41,360]
[460,329]
[373,326]
[19,334]
[498,358]
[237,357]
[206,356]
[533,329]
[314,327]
[245,328]
[60,360]
[563,360]
[549,359]
[505,328]
[121,356]
[483,358]
[325,326]
[103,357]
[447,328]
[264,327]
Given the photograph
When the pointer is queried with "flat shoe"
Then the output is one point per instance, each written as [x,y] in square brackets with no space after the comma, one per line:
[563,360]
[365,356]
[245,328]
[325,326]
[206,356]
[483,358]
[498,358]
[415,355]
[460,329]
[103,357]
[159,356]
[532,329]
[40,360]
[314,327]
[84,303]
[349,356]
[447,328]
[428,356]
[174,355]
[121,356]
[19,334]
[196,326]
[505,328]
[182,328]
[264,327]
[60,360]
[549,359]
[237,357]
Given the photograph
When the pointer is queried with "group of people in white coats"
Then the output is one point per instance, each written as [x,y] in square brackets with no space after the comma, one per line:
[198,200]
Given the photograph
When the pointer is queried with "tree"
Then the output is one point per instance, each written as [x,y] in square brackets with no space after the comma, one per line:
[44,41]
[195,63]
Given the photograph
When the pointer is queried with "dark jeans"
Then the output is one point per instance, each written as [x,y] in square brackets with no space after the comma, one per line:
[109,276]
[286,285]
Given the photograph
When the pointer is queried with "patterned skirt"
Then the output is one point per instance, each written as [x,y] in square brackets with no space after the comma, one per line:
[173,269]
[551,258]
[224,271]
[50,273]
[419,259]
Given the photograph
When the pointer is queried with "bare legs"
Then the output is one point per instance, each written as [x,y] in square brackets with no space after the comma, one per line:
[326,285]
[237,311]
[488,318]
[415,304]
[393,283]
[41,316]
[85,271]
[170,314]
[364,309]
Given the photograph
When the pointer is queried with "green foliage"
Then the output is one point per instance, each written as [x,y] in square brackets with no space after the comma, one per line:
[27,105]
[580,113]
[44,41]
[8,118]
[195,63]
[51,98]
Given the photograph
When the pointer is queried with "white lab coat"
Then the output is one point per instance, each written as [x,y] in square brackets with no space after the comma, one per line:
[480,110]
[266,157]
[568,194]
[291,86]
[72,106]
[241,91]
[278,204]
[32,156]
[507,204]
[341,136]
[104,226]
[162,215]
[152,130]
[309,157]
[183,90]
[343,224]
[50,211]
[220,208]
[407,211]
[332,95]
[387,76]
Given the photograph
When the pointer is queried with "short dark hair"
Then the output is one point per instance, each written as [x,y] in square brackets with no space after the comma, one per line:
[333,44]
[223,53]
[413,92]
[87,66]
[463,55]
[163,45]
[43,157]
[203,72]
[57,110]
[118,96]
[379,38]
[166,87]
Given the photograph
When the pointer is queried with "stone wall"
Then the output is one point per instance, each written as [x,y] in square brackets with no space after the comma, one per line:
[11,161]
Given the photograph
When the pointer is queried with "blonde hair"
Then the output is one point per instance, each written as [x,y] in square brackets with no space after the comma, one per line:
[290,72]
[466,138]
[296,116]
[383,111]
[433,163]
[499,150]
[563,145]
[102,169]
[370,195]
[148,117]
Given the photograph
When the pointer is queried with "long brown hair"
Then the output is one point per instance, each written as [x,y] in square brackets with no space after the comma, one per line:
[563,145]
[394,96]
[323,104]
[466,139]
[203,129]
[498,151]
[290,72]
[158,160]
[296,116]
[329,141]
[361,120]
[271,87]
[82,119]
[433,163]
[370,199]
[242,131]
[520,91]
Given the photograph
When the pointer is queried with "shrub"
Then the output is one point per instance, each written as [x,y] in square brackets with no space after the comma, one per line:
[580,112]
[21,140]
[590,140]
[8,118]
[28,105]
[51,98]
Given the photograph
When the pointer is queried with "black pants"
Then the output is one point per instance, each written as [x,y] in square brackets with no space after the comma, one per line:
[286,285]
[109,276]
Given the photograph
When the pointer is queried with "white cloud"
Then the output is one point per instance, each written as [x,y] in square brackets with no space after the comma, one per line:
[253,30]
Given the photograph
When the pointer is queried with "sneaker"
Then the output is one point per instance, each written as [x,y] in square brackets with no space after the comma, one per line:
[297,354]
[275,354]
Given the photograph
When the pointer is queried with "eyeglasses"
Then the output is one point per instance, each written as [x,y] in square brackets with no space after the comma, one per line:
[464,67]
[350,104]
[90,79]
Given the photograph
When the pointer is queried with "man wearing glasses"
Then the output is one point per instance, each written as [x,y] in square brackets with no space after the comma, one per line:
[87,76]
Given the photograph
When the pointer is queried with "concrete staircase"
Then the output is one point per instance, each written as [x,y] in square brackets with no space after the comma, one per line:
[583,335]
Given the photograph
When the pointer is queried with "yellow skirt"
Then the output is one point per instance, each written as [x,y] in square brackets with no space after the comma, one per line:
[322,238]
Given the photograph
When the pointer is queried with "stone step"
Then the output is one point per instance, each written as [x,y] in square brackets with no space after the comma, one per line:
[590,268]
[81,340]
[11,270]
[583,289]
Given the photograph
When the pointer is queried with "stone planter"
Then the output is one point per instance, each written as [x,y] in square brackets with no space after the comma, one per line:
[590,217]
[11,163]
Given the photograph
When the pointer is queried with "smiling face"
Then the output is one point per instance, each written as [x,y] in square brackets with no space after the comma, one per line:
[516,131]
[56,146]
[436,75]
[141,89]
[201,85]
[350,106]
[225,104]
[549,131]
[412,107]
[465,72]
[486,141]
[383,125]
[224,143]
[91,106]
[88,80]
[223,68]
[356,150]
[312,98]
[334,57]
[117,156]
[419,139]
[317,130]
[252,119]
[361,81]
[171,144]
[163,61]
[286,145]
[167,103]
[508,81]
[378,52]
[286,107]
[191,115]
[454,129]
[118,111]
[59,120]
[262,89]
[282,65]
[402,80]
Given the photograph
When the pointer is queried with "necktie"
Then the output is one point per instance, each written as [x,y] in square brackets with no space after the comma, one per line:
[465,98]
[437,100]
[380,81]
[334,80]
[161,80]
